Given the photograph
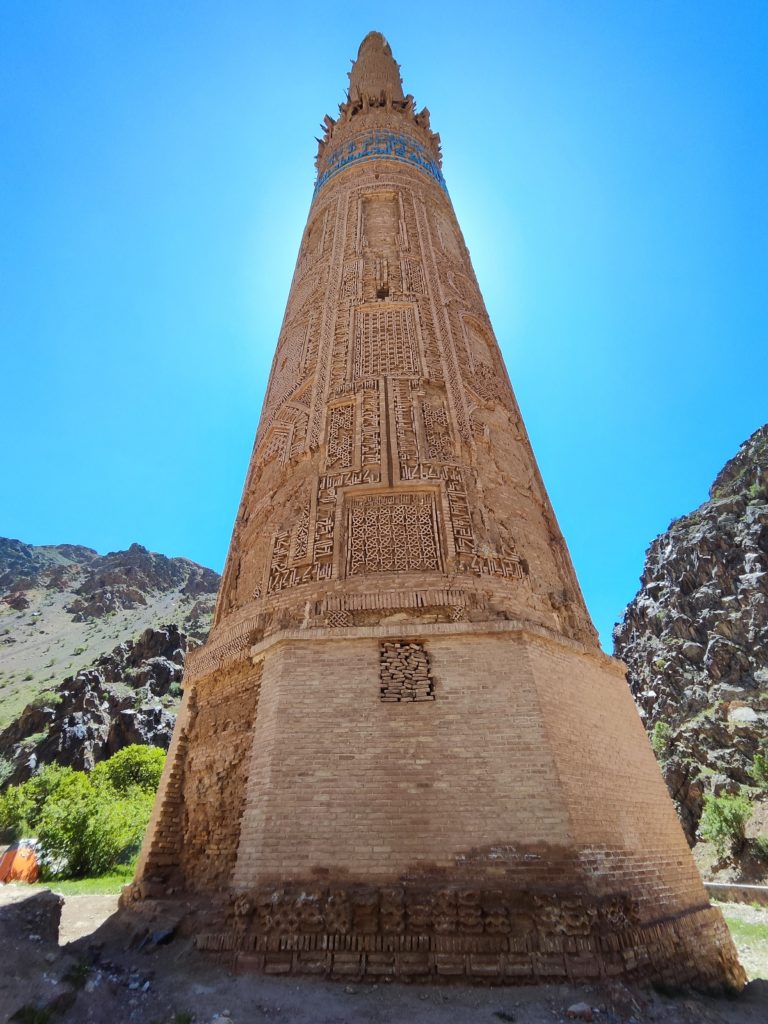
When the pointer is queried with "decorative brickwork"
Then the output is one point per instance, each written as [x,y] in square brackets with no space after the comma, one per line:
[341,436]
[392,533]
[385,342]
[395,545]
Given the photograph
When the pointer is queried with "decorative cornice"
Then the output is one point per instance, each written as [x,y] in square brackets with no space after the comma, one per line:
[380,144]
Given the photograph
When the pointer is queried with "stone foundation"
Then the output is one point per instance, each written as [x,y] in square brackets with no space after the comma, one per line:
[440,934]
[668,953]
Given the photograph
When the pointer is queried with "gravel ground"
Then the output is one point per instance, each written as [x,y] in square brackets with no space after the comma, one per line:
[153,988]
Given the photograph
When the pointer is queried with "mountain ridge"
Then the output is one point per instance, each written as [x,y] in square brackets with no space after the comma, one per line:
[63,605]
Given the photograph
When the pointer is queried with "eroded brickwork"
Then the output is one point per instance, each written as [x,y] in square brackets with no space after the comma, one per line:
[195,837]
[401,751]
[405,673]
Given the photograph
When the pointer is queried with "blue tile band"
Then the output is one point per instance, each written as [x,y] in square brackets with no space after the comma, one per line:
[382,145]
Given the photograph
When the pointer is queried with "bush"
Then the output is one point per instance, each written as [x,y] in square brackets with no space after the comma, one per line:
[46,699]
[660,737]
[86,825]
[132,766]
[724,821]
[760,769]
[91,831]
[21,806]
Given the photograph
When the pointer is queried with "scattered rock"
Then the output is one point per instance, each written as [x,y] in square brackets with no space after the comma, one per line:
[37,917]
[580,1011]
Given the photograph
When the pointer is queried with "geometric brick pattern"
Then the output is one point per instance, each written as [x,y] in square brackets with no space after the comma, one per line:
[384,342]
[392,533]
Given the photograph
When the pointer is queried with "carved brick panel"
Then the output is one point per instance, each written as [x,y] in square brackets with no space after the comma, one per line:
[392,533]
[436,432]
[341,436]
[413,277]
[385,341]
[371,427]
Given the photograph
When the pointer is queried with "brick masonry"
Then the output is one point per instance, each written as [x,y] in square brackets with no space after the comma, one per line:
[401,751]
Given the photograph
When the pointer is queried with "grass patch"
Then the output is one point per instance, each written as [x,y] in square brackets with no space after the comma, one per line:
[747,932]
[32,1015]
[105,885]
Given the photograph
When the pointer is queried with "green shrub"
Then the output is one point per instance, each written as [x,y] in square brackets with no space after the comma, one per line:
[86,825]
[761,847]
[660,737]
[32,1015]
[6,769]
[21,807]
[132,766]
[760,769]
[724,821]
[92,832]
[77,974]
[46,699]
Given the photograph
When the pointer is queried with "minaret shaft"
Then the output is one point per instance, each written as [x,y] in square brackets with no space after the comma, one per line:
[401,750]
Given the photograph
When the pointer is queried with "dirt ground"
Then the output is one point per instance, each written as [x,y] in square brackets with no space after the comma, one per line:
[163,985]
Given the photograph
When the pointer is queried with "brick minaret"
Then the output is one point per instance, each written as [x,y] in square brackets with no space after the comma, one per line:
[401,750]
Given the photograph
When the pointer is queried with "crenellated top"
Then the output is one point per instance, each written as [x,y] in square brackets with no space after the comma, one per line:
[375,100]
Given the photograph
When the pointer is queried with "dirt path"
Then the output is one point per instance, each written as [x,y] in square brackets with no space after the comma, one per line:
[84,914]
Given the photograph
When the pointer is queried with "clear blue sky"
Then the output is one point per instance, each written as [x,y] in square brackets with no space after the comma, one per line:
[608,162]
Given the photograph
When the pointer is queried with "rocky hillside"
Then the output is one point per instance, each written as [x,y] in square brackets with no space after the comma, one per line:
[695,637]
[63,605]
[127,696]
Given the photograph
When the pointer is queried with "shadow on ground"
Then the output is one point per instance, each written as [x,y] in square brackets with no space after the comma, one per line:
[111,975]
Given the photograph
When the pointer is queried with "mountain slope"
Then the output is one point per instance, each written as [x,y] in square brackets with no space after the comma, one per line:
[63,605]
[695,637]
[130,695]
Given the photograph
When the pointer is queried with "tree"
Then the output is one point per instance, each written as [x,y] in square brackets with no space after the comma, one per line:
[132,766]
[724,822]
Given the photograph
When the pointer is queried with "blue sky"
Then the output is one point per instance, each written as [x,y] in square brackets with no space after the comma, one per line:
[608,162]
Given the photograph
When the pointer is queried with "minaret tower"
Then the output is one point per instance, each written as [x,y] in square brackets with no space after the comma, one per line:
[402,751]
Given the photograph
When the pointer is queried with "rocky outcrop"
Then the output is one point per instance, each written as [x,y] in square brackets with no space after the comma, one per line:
[63,605]
[27,565]
[100,583]
[695,637]
[123,579]
[127,696]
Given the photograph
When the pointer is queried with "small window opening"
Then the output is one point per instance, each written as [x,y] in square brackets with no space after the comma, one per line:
[383,292]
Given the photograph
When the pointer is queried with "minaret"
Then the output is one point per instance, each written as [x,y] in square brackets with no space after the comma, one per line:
[402,751]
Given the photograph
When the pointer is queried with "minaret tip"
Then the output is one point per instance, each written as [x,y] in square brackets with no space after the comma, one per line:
[375,70]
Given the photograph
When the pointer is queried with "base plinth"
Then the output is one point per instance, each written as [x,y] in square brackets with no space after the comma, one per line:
[477,805]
